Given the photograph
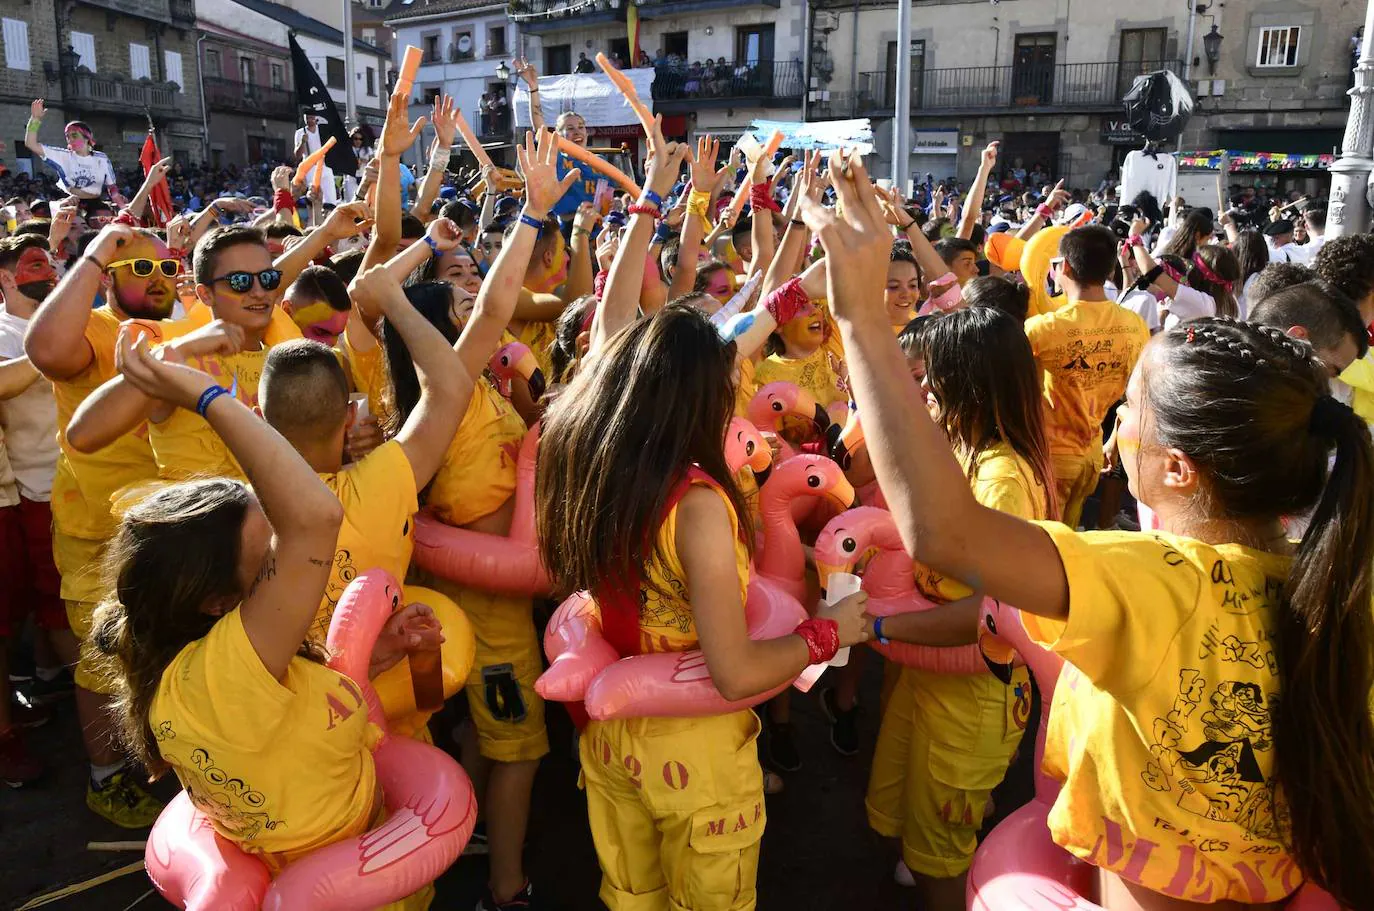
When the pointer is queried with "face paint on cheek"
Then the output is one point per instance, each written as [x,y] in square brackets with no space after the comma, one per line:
[327,331]
[135,302]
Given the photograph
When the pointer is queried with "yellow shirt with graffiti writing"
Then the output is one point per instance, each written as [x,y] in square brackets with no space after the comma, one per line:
[1086,351]
[280,767]
[820,374]
[1161,726]
[478,473]
[85,484]
[185,445]
[379,502]
[666,623]
[1002,480]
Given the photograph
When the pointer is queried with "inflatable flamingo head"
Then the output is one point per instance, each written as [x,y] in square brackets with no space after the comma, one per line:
[775,401]
[808,475]
[516,359]
[849,536]
[745,446]
[843,442]
[1003,635]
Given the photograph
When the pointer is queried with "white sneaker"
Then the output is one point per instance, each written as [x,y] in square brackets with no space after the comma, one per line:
[902,875]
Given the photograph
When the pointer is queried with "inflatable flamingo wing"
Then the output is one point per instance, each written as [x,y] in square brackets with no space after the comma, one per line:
[512,360]
[194,867]
[576,650]
[1019,868]
[503,565]
[678,684]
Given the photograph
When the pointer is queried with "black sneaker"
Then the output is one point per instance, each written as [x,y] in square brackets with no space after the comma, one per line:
[520,901]
[844,725]
[780,751]
[38,691]
[477,844]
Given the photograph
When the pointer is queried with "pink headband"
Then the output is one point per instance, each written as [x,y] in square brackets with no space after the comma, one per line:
[1208,274]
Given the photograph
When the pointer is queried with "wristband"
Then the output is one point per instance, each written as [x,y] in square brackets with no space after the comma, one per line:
[649,196]
[798,223]
[908,226]
[90,257]
[698,202]
[643,208]
[662,233]
[761,198]
[786,302]
[1044,211]
[433,247]
[530,220]
[282,200]
[878,632]
[1135,240]
[208,396]
[33,125]
[582,231]
[822,638]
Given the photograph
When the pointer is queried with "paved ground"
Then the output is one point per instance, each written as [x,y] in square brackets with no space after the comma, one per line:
[818,852]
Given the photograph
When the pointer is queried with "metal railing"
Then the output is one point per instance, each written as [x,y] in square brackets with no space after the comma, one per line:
[748,79]
[1059,85]
[182,10]
[495,123]
[230,94]
[88,91]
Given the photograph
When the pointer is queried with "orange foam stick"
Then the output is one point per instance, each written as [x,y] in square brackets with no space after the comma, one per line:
[483,159]
[409,66]
[573,150]
[742,192]
[627,88]
[313,159]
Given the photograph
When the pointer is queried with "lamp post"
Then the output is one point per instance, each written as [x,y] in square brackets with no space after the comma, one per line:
[1348,210]
[1211,49]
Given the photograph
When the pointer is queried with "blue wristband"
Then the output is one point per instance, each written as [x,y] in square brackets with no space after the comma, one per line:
[433,247]
[652,198]
[878,632]
[530,220]
[662,233]
[208,396]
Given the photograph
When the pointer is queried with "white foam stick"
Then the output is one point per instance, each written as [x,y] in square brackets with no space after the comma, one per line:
[736,304]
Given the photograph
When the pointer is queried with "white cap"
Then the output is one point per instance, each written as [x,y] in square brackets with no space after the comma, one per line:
[1073,213]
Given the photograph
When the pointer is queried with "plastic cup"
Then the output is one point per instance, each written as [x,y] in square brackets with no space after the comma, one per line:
[838,587]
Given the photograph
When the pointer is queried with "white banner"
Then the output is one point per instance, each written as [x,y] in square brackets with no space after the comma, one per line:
[831,134]
[592,95]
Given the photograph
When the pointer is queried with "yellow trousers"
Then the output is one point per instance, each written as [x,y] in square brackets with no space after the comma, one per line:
[676,810]
[1075,478]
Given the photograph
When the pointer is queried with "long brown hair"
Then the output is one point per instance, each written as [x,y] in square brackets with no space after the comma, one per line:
[1239,400]
[1222,263]
[174,552]
[636,417]
[982,371]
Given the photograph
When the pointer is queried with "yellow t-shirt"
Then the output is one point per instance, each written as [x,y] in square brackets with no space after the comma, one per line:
[666,623]
[279,767]
[745,386]
[820,373]
[368,374]
[1161,727]
[1003,481]
[185,445]
[379,500]
[84,485]
[478,473]
[539,336]
[1086,351]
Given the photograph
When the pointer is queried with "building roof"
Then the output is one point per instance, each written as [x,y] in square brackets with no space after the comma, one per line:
[299,22]
[400,10]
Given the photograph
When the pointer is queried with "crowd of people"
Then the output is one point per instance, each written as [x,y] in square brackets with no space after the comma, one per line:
[213,427]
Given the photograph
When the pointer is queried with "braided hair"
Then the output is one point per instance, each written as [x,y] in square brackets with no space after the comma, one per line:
[1249,406]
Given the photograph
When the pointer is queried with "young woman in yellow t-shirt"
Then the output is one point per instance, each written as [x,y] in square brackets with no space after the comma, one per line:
[1212,726]
[947,739]
[215,587]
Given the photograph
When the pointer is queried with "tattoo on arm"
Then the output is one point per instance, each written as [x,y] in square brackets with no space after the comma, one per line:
[318,562]
[268,571]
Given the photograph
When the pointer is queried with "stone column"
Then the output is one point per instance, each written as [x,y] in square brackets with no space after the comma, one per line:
[1348,210]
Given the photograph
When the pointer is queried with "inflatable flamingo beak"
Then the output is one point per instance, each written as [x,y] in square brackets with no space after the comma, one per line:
[825,570]
[537,385]
[843,442]
[997,652]
[761,475]
[842,493]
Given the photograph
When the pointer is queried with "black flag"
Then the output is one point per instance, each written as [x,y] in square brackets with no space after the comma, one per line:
[313,98]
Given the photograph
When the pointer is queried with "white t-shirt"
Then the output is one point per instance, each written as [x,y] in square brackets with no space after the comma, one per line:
[312,144]
[1188,303]
[1157,174]
[29,420]
[1141,303]
[83,175]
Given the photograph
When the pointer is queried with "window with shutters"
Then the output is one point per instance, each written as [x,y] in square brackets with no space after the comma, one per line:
[278,76]
[139,67]
[1279,46]
[16,44]
[84,45]
[372,82]
[172,62]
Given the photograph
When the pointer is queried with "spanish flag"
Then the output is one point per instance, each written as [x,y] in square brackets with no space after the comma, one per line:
[632,32]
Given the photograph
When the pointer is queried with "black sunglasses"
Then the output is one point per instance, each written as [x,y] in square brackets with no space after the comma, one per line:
[241,282]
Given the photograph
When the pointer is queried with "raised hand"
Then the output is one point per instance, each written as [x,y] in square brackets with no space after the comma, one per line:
[855,236]
[215,337]
[111,239]
[586,217]
[526,71]
[398,134]
[376,286]
[989,159]
[893,207]
[445,120]
[36,109]
[1058,196]
[539,165]
[162,379]
[703,164]
[159,170]
[281,177]
[665,160]
[444,233]
[347,220]
[848,615]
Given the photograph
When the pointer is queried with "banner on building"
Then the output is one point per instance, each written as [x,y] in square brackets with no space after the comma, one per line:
[832,134]
[1255,161]
[592,95]
[313,98]
[934,142]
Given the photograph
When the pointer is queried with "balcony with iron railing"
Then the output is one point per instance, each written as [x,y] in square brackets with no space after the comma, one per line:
[159,10]
[83,90]
[232,95]
[986,89]
[565,15]
[182,10]
[767,83]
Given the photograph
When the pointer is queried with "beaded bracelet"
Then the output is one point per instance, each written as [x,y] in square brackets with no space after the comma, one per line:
[644,208]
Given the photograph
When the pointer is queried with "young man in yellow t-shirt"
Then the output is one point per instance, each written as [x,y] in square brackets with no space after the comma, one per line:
[1086,351]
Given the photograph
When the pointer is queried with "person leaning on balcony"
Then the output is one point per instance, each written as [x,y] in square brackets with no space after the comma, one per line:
[81,170]
[584,65]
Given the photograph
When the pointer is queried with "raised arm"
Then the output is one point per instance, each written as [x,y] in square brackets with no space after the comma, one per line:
[36,112]
[941,523]
[56,338]
[303,513]
[1144,261]
[445,122]
[978,191]
[347,220]
[703,168]
[156,174]
[527,72]
[761,232]
[579,280]
[397,135]
[16,376]
[444,385]
[1043,212]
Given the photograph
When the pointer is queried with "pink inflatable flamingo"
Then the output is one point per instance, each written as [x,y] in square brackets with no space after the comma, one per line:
[512,360]
[783,560]
[777,400]
[1018,867]
[890,584]
[430,805]
[745,446]
[504,565]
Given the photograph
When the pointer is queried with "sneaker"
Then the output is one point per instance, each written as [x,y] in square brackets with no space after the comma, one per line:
[902,876]
[18,766]
[24,715]
[477,844]
[38,691]
[781,750]
[1126,522]
[844,725]
[524,899]
[122,801]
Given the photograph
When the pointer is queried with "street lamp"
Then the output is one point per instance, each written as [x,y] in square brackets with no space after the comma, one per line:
[503,71]
[1211,48]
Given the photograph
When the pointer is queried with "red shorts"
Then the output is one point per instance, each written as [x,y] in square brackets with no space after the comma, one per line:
[28,578]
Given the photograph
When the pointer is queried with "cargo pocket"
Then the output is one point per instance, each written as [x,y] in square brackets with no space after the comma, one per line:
[721,868]
[964,781]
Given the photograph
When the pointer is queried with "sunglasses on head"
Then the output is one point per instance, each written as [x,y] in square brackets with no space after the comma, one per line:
[144,267]
[241,282]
